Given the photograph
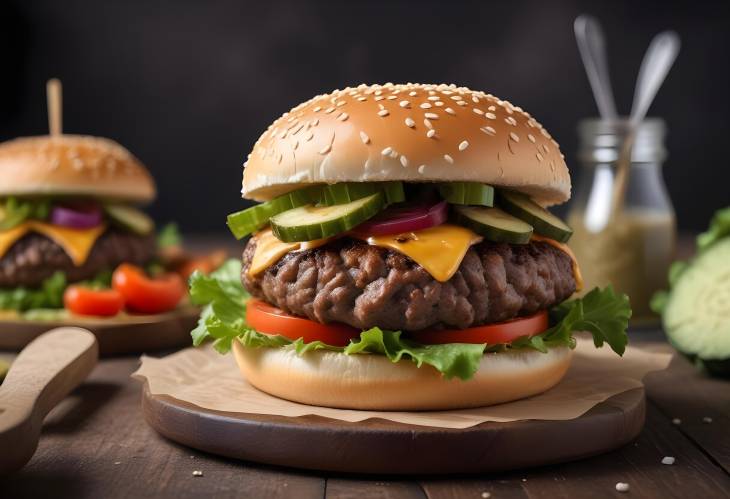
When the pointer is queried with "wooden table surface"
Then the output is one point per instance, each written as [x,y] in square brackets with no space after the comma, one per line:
[96,444]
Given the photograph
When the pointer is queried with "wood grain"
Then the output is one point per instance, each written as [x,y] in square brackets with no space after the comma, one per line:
[43,374]
[101,424]
[117,335]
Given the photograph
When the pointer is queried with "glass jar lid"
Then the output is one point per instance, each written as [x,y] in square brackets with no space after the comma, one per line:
[600,140]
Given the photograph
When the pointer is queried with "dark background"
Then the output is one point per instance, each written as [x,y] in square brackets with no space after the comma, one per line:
[189,85]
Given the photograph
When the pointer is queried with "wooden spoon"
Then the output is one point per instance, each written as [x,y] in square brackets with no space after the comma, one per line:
[40,377]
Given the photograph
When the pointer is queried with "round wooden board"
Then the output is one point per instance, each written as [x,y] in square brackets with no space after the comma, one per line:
[123,334]
[385,447]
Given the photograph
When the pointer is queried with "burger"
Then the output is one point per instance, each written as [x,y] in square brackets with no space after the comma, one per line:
[402,256]
[69,217]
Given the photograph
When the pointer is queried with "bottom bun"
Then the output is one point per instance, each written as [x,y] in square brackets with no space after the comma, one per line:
[371,381]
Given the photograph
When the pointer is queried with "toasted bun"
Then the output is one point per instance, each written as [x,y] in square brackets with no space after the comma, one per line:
[73,164]
[413,133]
[373,382]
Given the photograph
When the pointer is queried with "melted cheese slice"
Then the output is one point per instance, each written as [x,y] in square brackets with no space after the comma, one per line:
[439,250]
[565,249]
[269,250]
[77,243]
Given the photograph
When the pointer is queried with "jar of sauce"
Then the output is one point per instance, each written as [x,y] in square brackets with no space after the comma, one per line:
[631,247]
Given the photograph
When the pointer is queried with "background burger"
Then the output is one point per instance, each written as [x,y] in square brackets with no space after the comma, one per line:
[69,216]
[401,257]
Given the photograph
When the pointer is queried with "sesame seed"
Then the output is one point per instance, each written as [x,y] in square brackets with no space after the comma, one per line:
[508,109]
[434,98]
[383,113]
[362,99]
[295,145]
[464,144]
[489,130]
[392,97]
[410,123]
[394,154]
[477,110]
[317,109]
[668,460]
[456,97]
[315,122]
[341,103]
[531,137]
[461,103]
[514,136]
[379,98]
[438,103]
[329,110]
[404,103]
[510,120]
[343,116]
[492,108]
[427,123]
[450,111]
[386,151]
[449,159]
[364,137]
[325,149]
[538,156]
[378,92]
[622,487]
[425,105]
[197,473]
[403,160]
[421,169]
[431,133]
[412,93]
[545,133]
[431,116]
[491,116]
[475,99]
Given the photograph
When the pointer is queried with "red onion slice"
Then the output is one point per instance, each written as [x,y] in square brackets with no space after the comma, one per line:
[76,218]
[405,219]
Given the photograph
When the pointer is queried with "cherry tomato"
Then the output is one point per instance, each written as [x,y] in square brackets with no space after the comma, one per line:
[265,318]
[493,334]
[205,264]
[86,301]
[145,294]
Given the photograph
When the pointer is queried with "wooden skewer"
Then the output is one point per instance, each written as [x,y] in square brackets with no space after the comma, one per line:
[55,106]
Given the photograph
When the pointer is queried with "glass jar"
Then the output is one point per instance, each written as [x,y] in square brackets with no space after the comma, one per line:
[632,248]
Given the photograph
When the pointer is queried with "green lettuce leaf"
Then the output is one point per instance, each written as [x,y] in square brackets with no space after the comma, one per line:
[222,320]
[169,235]
[49,295]
[14,211]
[719,228]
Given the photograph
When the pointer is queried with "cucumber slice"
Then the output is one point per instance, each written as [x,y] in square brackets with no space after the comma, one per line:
[243,223]
[467,193]
[130,218]
[493,224]
[696,314]
[347,192]
[545,223]
[309,222]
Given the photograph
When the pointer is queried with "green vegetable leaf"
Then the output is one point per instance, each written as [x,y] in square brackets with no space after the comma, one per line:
[719,228]
[14,211]
[223,321]
[169,236]
[601,312]
[48,295]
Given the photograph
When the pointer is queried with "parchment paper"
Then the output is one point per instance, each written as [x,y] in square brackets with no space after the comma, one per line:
[209,380]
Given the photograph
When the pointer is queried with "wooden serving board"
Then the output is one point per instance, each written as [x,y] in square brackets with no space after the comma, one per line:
[385,447]
[117,335]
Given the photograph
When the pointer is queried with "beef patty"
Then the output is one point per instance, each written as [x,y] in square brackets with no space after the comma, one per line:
[354,283]
[35,257]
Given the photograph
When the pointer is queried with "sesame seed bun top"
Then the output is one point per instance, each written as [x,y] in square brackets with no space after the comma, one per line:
[412,132]
[73,165]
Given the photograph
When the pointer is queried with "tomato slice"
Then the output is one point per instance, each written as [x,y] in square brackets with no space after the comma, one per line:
[99,302]
[268,319]
[147,295]
[493,334]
